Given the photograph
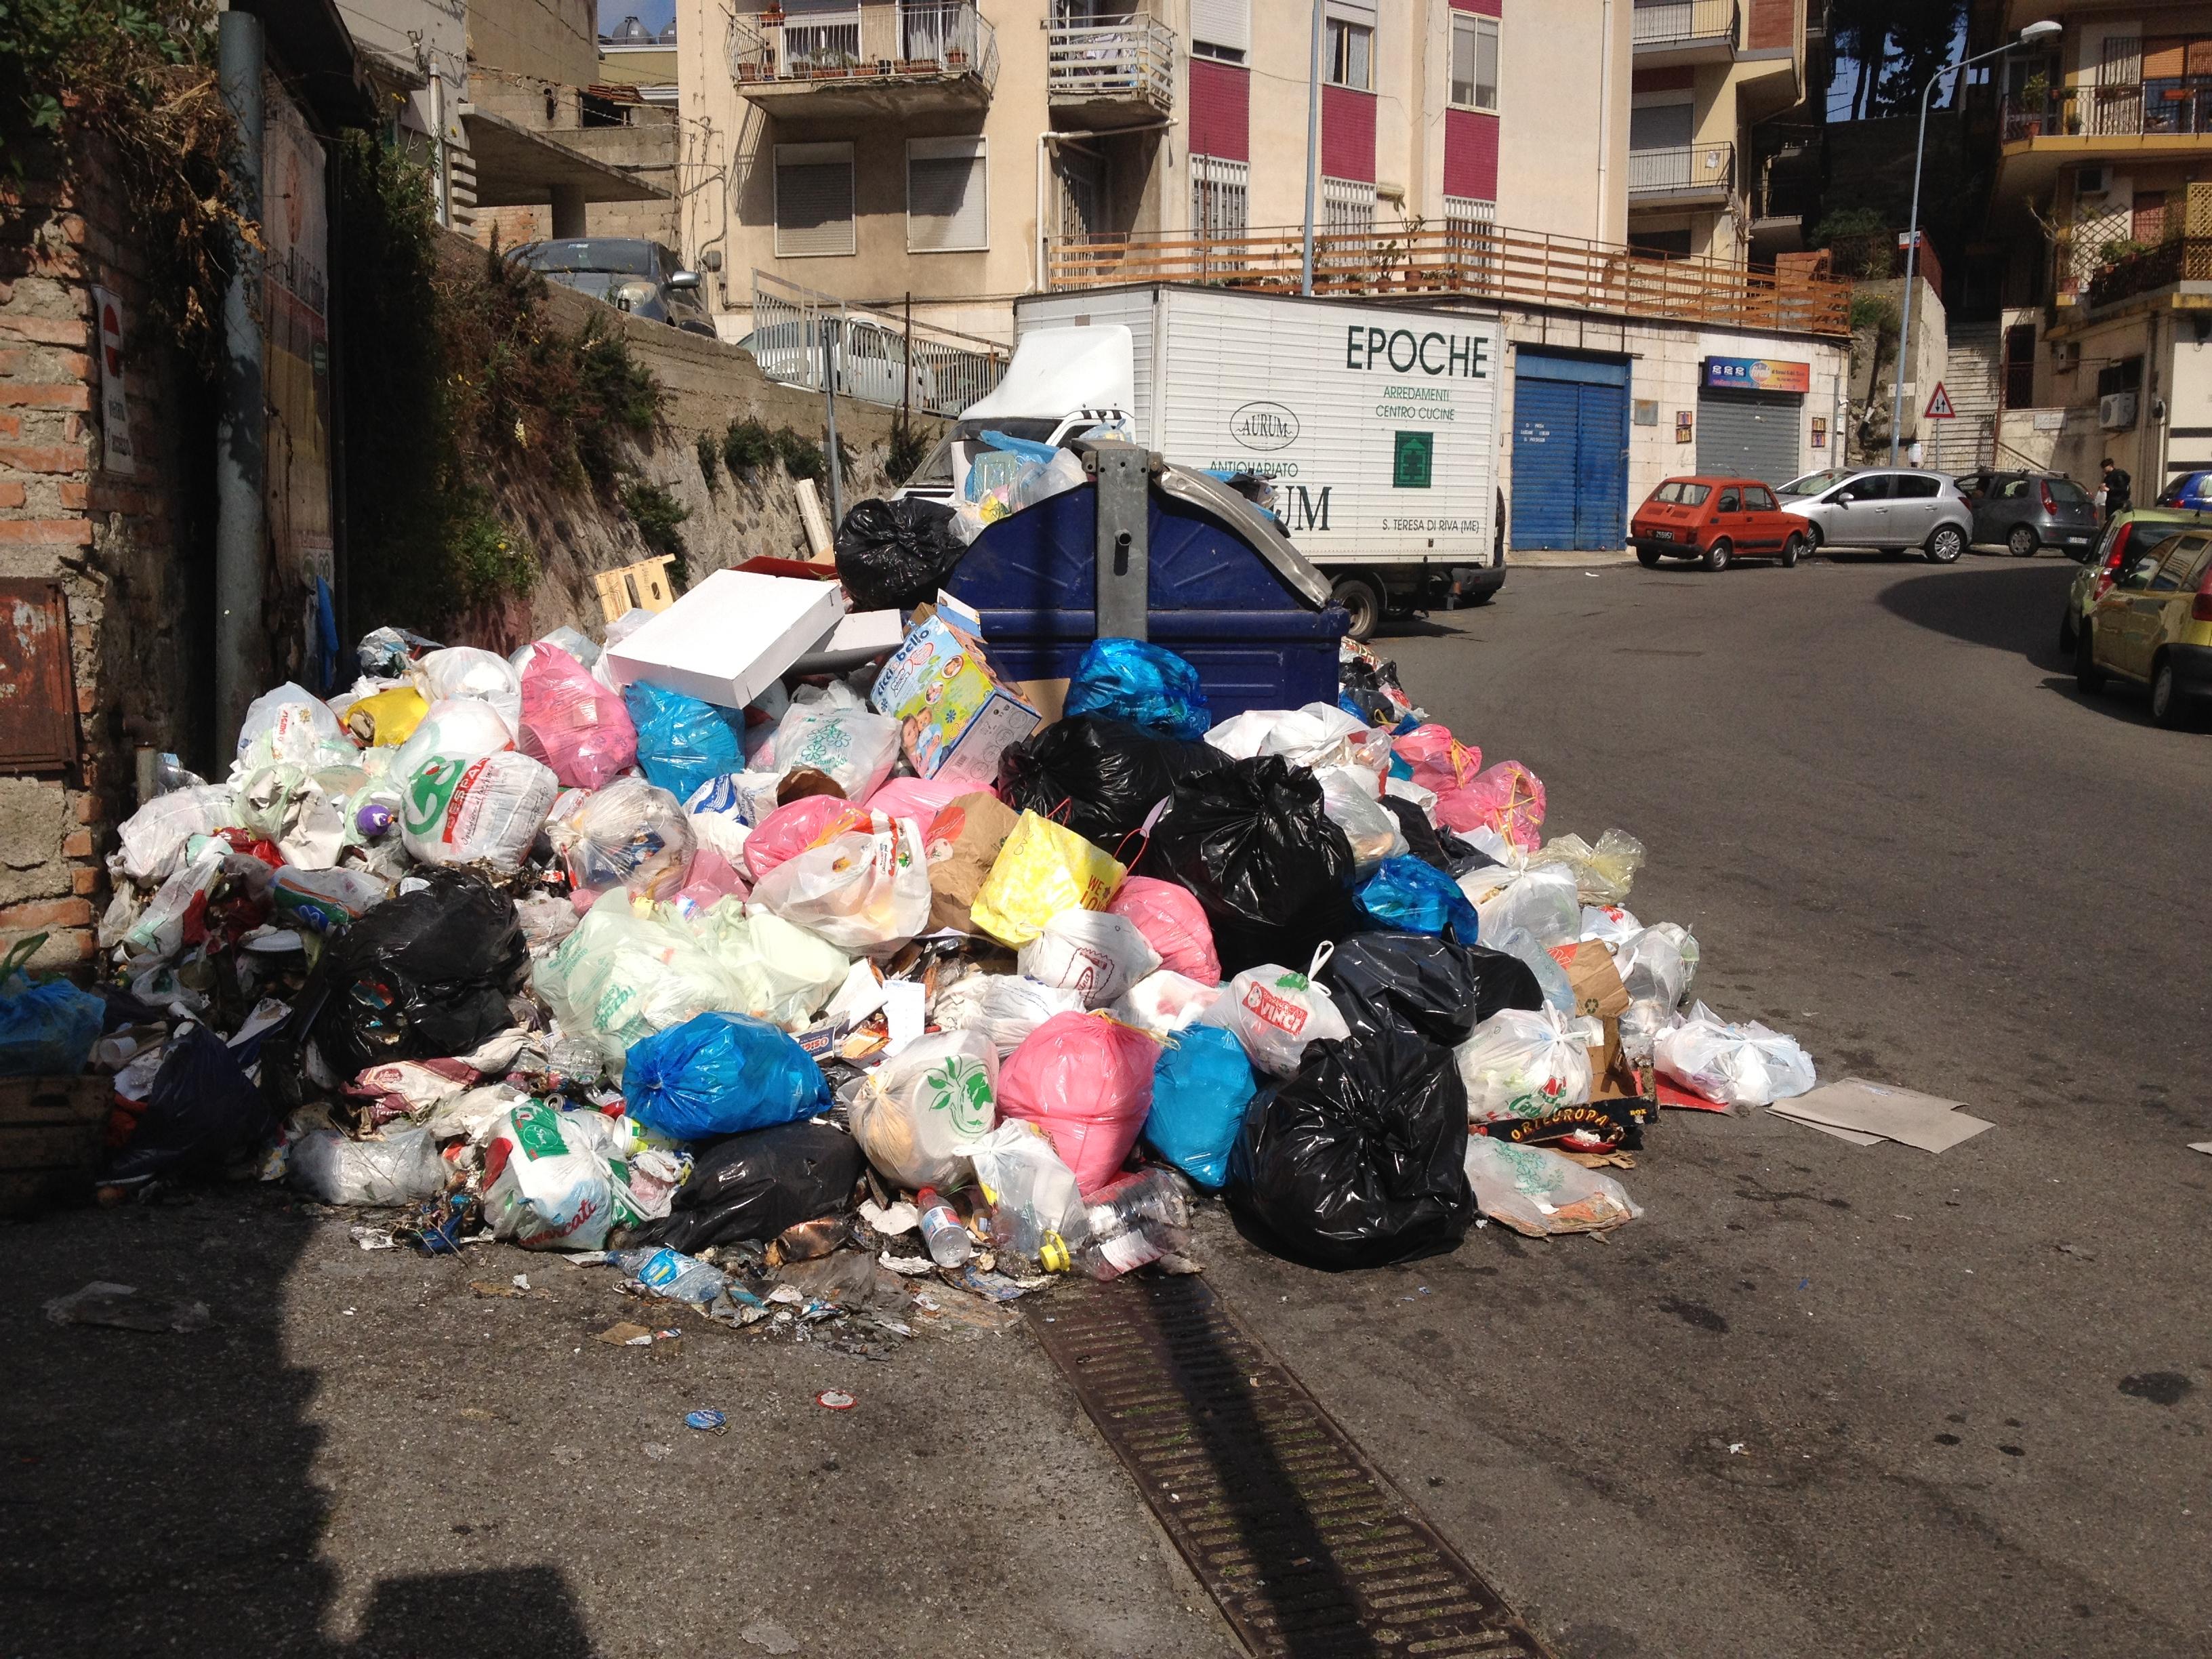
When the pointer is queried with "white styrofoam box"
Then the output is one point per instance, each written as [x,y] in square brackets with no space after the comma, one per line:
[731,637]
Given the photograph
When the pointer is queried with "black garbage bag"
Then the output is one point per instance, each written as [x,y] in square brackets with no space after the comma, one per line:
[421,977]
[1251,841]
[1430,987]
[1421,838]
[893,554]
[1361,1158]
[202,1108]
[756,1184]
[1106,773]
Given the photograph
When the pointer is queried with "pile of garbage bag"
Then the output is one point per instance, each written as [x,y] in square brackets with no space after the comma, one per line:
[883,962]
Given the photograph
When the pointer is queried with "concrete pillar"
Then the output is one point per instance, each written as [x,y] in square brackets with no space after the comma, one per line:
[568,211]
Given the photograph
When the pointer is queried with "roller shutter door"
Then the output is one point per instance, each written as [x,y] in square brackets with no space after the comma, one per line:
[1570,452]
[1750,434]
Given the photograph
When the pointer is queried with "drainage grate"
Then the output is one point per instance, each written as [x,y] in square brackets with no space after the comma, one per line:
[1309,1550]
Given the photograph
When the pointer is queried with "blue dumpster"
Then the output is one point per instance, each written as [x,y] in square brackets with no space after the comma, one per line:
[1226,590]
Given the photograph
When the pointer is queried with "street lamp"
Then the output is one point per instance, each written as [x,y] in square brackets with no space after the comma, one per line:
[2046,30]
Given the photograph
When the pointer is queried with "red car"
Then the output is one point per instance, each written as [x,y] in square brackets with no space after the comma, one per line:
[1716,520]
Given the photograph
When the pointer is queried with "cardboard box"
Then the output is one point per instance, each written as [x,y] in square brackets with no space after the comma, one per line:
[861,636]
[956,719]
[730,638]
[1599,994]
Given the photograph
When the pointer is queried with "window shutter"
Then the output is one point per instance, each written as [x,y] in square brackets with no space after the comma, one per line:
[1222,23]
[947,197]
[813,199]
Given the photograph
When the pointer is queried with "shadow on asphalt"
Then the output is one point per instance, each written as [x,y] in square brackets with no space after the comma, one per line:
[1416,628]
[2013,608]
[166,1485]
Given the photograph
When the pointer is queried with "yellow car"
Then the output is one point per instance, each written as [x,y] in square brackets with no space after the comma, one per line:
[2155,624]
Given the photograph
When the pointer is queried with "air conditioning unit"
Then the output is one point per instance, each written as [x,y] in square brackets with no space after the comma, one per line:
[2066,354]
[2092,182]
[2116,411]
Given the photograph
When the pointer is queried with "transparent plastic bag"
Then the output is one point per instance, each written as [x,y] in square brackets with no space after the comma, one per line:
[1008,1007]
[1350,803]
[1551,978]
[1658,964]
[1603,873]
[1037,1211]
[621,977]
[1519,1064]
[631,834]
[1508,798]
[922,1105]
[1543,899]
[1275,1011]
[1732,1064]
[287,723]
[403,1167]
[866,891]
[155,836]
[1094,953]
[781,973]
[1536,1191]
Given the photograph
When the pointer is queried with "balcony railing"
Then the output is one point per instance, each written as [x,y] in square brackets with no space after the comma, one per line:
[1112,63]
[2151,109]
[1679,23]
[1483,262]
[883,39]
[1682,170]
[878,355]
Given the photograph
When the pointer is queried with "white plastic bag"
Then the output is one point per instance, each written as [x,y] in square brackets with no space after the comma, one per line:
[1551,978]
[1006,1007]
[1094,953]
[919,1107]
[1522,1064]
[1611,924]
[1732,1064]
[159,929]
[458,811]
[556,1180]
[288,805]
[1318,735]
[462,670]
[1348,799]
[1537,1191]
[854,746]
[866,891]
[1164,1002]
[289,723]
[459,725]
[1274,1012]
[155,836]
[1603,872]
[1543,899]
[1036,1210]
[1658,964]
[402,1168]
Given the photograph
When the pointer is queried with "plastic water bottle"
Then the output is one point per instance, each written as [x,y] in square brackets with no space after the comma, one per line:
[672,1273]
[1136,1219]
[948,1240]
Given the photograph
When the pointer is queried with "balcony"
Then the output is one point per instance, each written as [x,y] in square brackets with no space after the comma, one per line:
[1681,175]
[1483,263]
[1111,75]
[2149,120]
[886,57]
[1667,32]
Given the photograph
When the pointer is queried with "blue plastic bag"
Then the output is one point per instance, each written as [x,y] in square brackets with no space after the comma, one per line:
[1201,1086]
[1406,895]
[1153,689]
[681,741]
[45,1030]
[716,1074]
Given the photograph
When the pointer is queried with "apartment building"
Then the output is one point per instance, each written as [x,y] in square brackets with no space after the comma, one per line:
[1706,74]
[2102,220]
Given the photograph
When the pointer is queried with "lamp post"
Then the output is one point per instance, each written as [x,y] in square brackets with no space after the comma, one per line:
[1313,146]
[2034,32]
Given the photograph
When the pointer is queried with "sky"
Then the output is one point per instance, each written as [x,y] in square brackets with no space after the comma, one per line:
[655,14]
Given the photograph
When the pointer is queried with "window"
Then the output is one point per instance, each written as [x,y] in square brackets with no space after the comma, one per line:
[1728,502]
[2180,562]
[1868,487]
[813,200]
[2017,488]
[1221,29]
[1473,62]
[1350,55]
[1757,500]
[1347,205]
[1910,486]
[1662,126]
[948,199]
[1670,244]
[2066,493]
[1219,195]
[1676,491]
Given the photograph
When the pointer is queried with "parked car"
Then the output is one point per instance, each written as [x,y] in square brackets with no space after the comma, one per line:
[872,360]
[1884,508]
[1717,521]
[2154,625]
[2026,511]
[2137,528]
[631,273]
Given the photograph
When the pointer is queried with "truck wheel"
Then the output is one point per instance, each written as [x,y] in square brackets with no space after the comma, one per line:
[1362,603]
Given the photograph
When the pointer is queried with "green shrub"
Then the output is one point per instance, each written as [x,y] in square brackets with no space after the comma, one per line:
[747,446]
[710,459]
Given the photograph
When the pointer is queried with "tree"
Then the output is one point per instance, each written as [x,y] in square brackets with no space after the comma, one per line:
[1923,38]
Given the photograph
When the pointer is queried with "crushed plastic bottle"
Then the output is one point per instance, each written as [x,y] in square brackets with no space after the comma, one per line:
[1135,1220]
[941,1230]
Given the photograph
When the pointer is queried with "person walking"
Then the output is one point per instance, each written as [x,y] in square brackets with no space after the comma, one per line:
[2118,488]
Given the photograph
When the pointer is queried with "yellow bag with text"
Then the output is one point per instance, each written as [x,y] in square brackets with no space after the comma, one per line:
[1044,869]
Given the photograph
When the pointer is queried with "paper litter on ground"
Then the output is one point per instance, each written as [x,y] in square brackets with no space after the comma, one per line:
[1904,1115]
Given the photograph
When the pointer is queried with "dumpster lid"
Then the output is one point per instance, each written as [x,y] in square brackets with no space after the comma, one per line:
[1210,495]
[1059,372]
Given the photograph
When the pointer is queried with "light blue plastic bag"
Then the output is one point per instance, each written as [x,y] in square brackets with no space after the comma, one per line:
[717,1074]
[1406,895]
[681,741]
[1201,1086]
[1151,689]
[45,1030]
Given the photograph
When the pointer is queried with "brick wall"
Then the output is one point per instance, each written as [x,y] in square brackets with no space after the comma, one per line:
[109,540]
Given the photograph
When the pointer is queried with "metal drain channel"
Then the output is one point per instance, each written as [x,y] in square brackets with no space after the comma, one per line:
[1309,1550]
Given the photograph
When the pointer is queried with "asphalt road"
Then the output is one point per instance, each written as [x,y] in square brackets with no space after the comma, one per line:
[1898,833]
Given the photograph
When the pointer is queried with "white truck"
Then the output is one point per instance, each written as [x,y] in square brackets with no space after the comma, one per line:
[1375,427]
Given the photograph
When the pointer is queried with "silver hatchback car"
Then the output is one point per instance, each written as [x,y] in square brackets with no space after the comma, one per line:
[1884,508]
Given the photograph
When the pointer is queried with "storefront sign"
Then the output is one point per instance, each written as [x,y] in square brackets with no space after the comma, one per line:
[1758,374]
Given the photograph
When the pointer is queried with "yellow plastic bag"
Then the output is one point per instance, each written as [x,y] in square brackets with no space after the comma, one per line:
[1044,869]
[388,718]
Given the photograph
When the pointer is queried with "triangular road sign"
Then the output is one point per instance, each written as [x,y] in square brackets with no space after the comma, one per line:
[1939,406]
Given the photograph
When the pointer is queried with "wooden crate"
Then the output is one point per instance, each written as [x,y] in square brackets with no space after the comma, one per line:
[52,1130]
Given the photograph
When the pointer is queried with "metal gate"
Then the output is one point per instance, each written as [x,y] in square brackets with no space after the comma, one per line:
[880,358]
[1570,452]
[1750,434]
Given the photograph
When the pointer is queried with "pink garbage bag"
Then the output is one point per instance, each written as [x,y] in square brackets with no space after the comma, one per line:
[918,799]
[1440,761]
[1508,797]
[1086,1081]
[792,828]
[713,878]
[1173,923]
[571,722]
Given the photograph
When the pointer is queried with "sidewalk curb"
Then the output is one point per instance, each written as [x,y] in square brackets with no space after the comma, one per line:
[1564,560]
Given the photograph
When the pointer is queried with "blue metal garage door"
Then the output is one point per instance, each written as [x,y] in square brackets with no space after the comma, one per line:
[1569,452]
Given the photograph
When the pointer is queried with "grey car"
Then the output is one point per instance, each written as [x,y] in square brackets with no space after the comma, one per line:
[631,273]
[2025,512]
[1883,507]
